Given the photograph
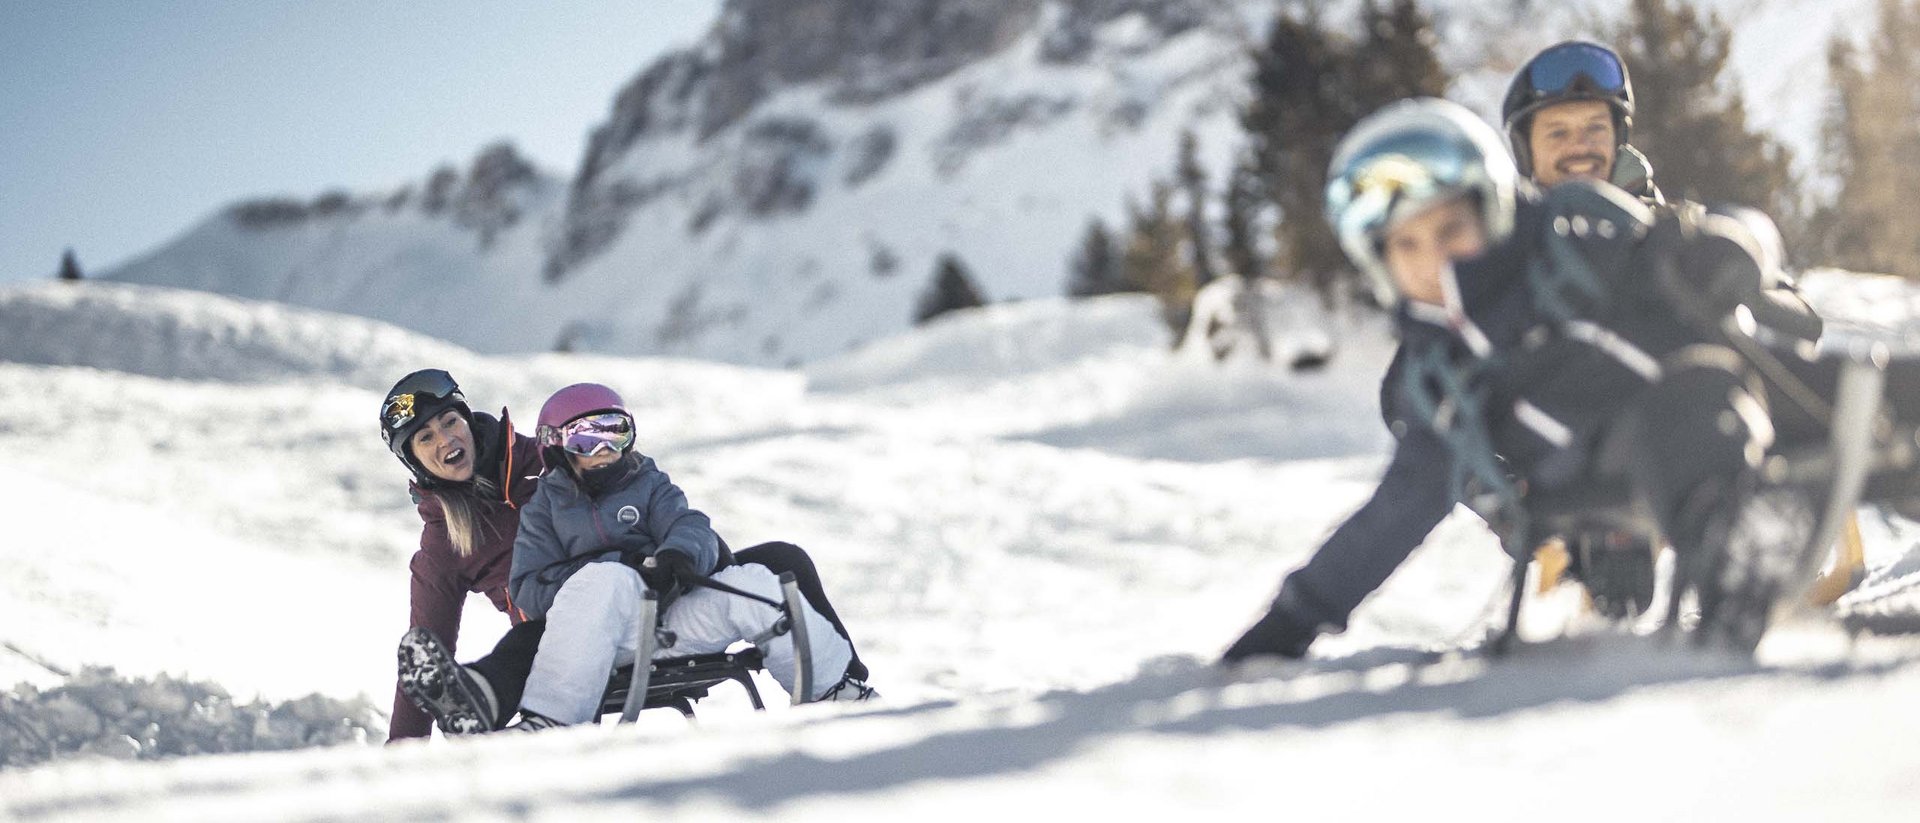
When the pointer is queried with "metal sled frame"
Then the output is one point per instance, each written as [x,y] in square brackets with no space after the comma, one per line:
[1841,470]
[679,682]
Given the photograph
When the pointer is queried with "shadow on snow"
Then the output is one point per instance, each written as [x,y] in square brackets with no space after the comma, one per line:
[1183,696]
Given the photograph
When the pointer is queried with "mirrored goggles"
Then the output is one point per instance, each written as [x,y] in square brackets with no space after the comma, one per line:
[1383,188]
[589,435]
[402,408]
[1559,69]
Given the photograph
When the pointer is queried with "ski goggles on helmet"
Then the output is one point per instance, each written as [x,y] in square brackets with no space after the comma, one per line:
[591,434]
[1404,159]
[1575,67]
[430,390]
[1394,179]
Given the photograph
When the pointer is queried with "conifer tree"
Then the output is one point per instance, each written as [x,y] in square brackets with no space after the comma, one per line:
[952,289]
[70,267]
[1242,212]
[1096,267]
[1193,183]
[1396,59]
[1311,83]
[1295,118]
[1691,124]
[1153,260]
[1871,148]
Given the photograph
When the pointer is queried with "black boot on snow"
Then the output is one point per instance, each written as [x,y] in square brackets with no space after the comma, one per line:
[849,688]
[1276,634]
[460,701]
[1760,555]
[1618,570]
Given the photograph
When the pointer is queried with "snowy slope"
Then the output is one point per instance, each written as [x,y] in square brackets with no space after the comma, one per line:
[1036,553]
[809,220]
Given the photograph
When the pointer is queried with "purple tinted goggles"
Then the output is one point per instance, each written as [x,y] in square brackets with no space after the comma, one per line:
[589,435]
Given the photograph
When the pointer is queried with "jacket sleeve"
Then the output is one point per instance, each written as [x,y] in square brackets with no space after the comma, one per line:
[535,549]
[1393,408]
[1412,498]
[676,526]
[1784,310]
[436,597]
[1712,260]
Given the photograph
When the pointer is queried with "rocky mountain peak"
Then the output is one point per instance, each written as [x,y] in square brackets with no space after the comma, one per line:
[858,52]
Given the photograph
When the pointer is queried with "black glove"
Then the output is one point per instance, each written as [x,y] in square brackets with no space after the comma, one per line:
[1709,264]
[1276,633]
[667,569]
[1725,268]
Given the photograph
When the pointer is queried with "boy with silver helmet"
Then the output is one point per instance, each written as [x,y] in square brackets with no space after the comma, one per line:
[1554,344]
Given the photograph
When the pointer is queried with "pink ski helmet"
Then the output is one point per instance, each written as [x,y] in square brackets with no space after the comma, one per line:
[582,418]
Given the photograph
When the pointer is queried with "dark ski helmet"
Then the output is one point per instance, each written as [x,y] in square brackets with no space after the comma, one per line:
[416,399]
[1404,158]
[580,400]
[1573,70]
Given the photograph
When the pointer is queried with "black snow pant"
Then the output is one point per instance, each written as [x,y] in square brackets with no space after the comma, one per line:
[507,667]
[1685,443]
[1713,414]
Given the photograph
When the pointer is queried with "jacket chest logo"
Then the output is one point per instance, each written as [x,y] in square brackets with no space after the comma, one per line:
[627,515]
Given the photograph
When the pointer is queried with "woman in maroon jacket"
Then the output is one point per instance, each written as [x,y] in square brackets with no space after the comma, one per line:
[471,473]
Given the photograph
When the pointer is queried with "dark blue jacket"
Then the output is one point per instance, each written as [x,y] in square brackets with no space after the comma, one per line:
[639,513]
[1554,331]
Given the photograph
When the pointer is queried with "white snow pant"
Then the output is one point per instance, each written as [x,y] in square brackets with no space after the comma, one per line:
[593,628]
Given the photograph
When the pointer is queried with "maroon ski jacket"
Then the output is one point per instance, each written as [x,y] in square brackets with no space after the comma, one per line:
[441,577]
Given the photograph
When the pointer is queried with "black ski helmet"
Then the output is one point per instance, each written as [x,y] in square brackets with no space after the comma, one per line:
[413,401]
[1571,70]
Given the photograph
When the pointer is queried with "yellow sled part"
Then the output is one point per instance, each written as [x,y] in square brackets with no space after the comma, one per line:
[1552,559]
[1849,567]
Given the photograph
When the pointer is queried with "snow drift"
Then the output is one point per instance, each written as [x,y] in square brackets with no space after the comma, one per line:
[1039,609]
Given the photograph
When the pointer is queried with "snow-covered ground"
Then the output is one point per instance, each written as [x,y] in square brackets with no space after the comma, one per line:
[1040,525]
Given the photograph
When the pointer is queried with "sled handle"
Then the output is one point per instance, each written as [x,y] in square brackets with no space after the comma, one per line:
[642,658]
[802,649]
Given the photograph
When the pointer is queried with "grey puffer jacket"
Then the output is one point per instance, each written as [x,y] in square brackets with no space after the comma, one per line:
[564,528]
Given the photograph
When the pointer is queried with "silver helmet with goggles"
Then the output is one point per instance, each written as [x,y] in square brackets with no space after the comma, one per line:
[1405,158]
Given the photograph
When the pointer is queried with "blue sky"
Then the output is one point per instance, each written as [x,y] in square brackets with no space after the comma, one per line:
[123,123]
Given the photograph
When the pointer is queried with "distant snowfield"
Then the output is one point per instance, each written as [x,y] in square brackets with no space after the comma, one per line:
[1040,525]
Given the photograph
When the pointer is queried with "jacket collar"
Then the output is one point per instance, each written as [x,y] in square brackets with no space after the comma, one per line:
[630,466]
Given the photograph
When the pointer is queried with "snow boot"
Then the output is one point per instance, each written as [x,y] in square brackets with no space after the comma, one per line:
[534,722]
[849,688]
[459,699]
[1618,570]
[1759,556]
[1277,633]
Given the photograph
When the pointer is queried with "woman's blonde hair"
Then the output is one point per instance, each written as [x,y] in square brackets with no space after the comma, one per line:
[462,508]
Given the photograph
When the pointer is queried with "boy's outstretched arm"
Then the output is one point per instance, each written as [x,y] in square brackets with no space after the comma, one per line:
[1412,498]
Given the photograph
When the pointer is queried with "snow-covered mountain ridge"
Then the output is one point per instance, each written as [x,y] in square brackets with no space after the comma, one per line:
[779,191]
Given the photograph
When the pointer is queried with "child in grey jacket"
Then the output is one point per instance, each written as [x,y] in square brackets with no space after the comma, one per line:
[605,524]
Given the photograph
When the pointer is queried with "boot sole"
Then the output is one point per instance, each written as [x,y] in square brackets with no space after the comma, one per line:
[431,679]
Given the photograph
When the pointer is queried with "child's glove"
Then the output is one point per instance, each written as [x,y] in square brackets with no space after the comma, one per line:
[666,569]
